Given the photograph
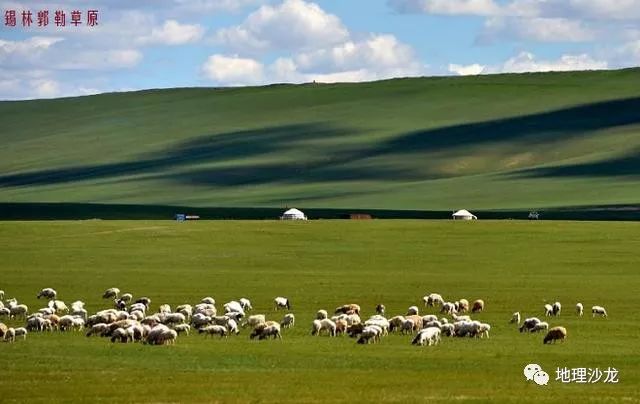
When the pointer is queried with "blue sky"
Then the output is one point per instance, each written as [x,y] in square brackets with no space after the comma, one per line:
[177,43]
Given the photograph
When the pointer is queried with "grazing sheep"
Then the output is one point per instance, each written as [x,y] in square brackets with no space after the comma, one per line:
[448,308]
[355,330]
[144,300]
[466,328]
[529,323]
[429,336]
[322,314]
[368,334]
[100,329]
[323,325]
[417,321]
[47,293]
[478,306]
[59,306]
[515,318]
[288,321]
[483,330]
[413,310]
[208,300]
[408,327]
[579,309]
[111,293]
[266,330]
[126,297]
[380,309]
[433,299]
[164,308]
[379,321]
[198,320]
[182,328]
[233,307]
[555,334]
[120,304]
[232,326]
[255,320]
[161,335]
[18,310]
[282,303]
[3,330]
[348,309]
[206,309]
[463,305]
[21,332]
[120,334]
[556,308]
[174,318]
[245,304]
[448,329]
[543,325]
[186,310]
[432,324]
[396,323]
[341,326]
[599,310]
[548,310]
[214,330]
[46,311]
[460,318]
[10,335]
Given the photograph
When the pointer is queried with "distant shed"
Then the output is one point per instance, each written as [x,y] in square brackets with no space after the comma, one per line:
[464,215]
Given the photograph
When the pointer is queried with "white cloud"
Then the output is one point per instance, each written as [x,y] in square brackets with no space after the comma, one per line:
[233,70]
[535,29]
[292,25]
[173,33]
[527,62]
[468,70]
[373,58]
[45,88]
[447,7]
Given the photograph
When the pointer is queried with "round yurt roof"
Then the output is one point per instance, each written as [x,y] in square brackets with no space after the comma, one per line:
[464,213]
[294,212]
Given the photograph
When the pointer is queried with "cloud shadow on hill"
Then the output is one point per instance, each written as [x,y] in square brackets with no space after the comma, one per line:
[338,163]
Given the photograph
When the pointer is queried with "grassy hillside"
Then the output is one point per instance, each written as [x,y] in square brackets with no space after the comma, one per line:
[488,142]
[512,265]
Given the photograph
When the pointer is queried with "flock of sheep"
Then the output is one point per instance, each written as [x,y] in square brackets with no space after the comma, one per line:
[131,320]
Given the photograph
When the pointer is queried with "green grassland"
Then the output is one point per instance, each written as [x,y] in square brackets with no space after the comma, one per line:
[512,265]
[488,142]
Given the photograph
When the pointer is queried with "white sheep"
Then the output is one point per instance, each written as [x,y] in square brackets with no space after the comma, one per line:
[543,325]
[288,321]
[323,325]
[369,333]
[10,335]
[174,318]
[21,332]
[266,330]
[233,307]
[433,299]
[100,329]
[232,326]
[448,308]
[395,323]
[483,330]
[17,310]
[448,329]
[255,320]
[460,318]
[379,321]
[47,293]
[515,318]
[126,297]
[282,303]
[548,310]
[529,324]
[322,314]
[164,308]
[198,320]
[413,310]
[111,293]
[430,336]
[579,309]
[245,304]
[557,307]
[182,328]
[408,326]
[599,310]
[208,300]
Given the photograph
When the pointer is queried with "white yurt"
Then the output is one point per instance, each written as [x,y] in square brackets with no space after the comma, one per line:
[464,215]
[293,214]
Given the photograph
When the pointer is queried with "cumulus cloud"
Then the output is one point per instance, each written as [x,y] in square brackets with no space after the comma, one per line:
[292,25]
[527,62]
[447,7]
[173,33]
[535,29]
[467,70]
[233,70]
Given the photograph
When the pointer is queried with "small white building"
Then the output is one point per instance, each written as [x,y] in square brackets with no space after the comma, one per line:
[293,214]
[464,215]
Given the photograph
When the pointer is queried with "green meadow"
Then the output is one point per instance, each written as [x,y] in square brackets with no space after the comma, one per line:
[525,141]
[512,265]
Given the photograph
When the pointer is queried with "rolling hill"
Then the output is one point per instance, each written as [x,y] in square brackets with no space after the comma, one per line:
[486,142]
